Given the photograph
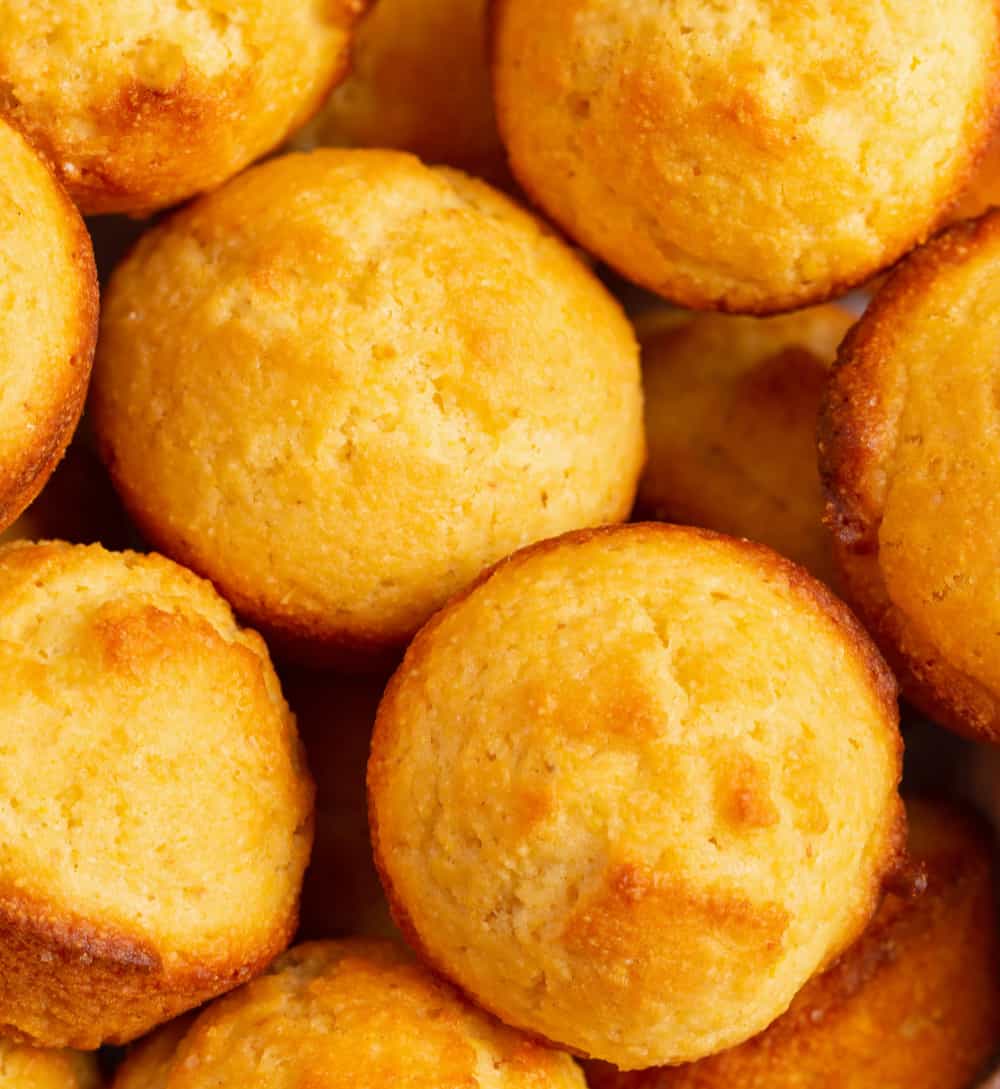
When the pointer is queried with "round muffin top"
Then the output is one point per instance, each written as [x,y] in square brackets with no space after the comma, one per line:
[635,788]
[39,1068]
[351,1013]
[911,454]
[141,103]
[731,412]
[152,788]
[346,382]
[48,298]
[777,152]
[915,1002]
[420,82]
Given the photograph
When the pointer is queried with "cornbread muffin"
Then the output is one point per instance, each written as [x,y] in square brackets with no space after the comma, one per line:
[77,505]
[24,1067]
[346,382]
[634,788]
[155,811]
[731,407]
[911,457]
[983,191]
[777,153]
[420,82]
[915,1004]
[141,103]
[341,894]
[349,1013]
[48,297]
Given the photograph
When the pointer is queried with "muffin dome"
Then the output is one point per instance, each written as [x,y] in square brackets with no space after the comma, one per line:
[731,409]
[420,82]
[347,1013]
[345,383]
[141,105]
[24,1067]
[635,788]
[911,455]
[48,296]
[155,813]
[915,1003]
[777,153]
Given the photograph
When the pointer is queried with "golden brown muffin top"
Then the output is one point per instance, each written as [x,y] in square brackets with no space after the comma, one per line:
[39,1068]
[141,103]
[612,786]
[755,155]
[152,778]
[419,82]
[915,1003]
[48,298]
[346,382]
[731,413]
[911,455]
[339,1015]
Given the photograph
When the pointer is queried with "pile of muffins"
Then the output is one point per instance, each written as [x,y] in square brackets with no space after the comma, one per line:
[429,656]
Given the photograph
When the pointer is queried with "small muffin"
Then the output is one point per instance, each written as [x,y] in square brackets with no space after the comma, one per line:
[731,407]
[752,156]
[23,1067]
[915,1004]
[155,810]
[636,787]
[983,192]
[77,505]
[341,894]
[350,1013]
[345,383]
[48,297]
[141,106]
[910,452]
[419,82]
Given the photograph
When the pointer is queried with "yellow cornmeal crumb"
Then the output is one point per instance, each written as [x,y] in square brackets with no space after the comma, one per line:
[24,1067]
[142,103]
[349,1013]
[751,155]
[345,383]
[635,788]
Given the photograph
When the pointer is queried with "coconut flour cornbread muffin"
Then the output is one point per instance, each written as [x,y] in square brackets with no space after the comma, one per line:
[915,1004]
[142,104]
[911,456]
[23,1067]
[420,82]
[731,407]
[346,382]
[341,893]
[983,191]
[48,298]
[777,153]
[155,811]
[635,787]
[350,1013]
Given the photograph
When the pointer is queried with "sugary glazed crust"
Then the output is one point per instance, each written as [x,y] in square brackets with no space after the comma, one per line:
[22,480]
[798,580]
[67,983]
[857,438]
[979,135]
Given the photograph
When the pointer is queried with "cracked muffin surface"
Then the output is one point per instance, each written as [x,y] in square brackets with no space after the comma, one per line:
[910,450]
[778,153]
[345,383]
[635,787]
[155,808]
[139,104]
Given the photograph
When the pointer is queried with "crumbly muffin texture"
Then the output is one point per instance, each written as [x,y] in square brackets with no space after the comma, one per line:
[141,103]
[341,1015]
[755,155]
[346,382]
[613,786]
[23,1067]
